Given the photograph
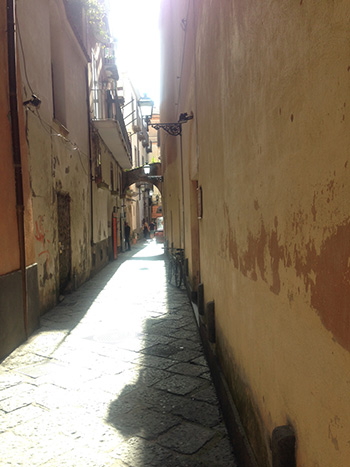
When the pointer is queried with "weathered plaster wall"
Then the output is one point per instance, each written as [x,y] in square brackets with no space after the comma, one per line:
[12,329]
[106,202]
[270,100]
[132,117]
[101,193]
[8,226]
[172,165]
[58,156]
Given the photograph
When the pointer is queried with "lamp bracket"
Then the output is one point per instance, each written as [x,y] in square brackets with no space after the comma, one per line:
[155,177]
[173,129]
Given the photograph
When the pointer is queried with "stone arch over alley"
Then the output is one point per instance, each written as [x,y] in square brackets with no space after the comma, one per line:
[138,175]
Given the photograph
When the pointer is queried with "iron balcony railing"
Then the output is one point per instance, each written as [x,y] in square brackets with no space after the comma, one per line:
[105,106]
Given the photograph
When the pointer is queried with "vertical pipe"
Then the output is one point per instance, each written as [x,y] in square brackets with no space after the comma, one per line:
[90,160]
[16,150]
[182,190]
[194,26]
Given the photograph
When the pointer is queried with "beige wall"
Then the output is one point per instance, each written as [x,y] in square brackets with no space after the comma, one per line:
[133,121]
[154,156]
[58,155]
[268,85]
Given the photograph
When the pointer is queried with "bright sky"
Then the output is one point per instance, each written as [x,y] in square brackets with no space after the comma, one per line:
[135,25]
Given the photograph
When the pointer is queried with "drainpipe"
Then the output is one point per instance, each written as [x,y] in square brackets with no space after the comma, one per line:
[182,192]
[90,159]
[16,150]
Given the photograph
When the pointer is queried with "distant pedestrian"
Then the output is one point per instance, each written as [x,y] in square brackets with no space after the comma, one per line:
[127,235]
[151,229]
[145,231]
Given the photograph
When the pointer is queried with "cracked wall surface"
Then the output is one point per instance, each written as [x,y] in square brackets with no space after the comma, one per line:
[270,140]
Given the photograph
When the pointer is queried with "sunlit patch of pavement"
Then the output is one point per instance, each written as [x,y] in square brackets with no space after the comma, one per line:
[115,376]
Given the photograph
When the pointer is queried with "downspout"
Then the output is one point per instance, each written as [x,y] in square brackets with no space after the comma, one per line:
[90,159]
[182,192]
[16,151]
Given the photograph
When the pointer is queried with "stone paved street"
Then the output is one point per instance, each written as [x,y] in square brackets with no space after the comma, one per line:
[115,376]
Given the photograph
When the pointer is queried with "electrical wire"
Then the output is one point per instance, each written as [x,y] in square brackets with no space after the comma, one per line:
[49,129]
[81,162]
[73,145]
[23,55]
[183,24]
[52,132]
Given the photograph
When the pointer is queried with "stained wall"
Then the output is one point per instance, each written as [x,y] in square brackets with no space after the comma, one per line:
[269,146]
[12,310]
[8,228]
[57,134]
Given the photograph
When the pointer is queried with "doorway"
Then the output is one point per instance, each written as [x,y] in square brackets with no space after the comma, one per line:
[64,239]
[196,208]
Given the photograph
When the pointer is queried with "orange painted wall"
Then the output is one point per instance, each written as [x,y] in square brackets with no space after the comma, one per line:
[8,226]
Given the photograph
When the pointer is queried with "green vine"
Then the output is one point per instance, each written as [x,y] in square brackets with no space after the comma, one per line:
[96,14]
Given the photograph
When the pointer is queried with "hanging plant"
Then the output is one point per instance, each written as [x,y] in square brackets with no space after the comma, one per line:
[96,14]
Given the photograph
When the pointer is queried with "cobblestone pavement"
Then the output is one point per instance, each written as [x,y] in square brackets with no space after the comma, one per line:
[115,376]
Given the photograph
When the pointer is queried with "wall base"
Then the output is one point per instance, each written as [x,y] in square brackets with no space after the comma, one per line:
[12,332]
[101,255]
[242,449]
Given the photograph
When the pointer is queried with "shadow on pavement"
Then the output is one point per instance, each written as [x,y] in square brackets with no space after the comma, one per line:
[169,412]
[67,315]
[114,377]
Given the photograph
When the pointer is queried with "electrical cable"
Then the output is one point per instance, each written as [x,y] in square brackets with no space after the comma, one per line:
[50,130]
[53,132]
[184,27]
[23,55]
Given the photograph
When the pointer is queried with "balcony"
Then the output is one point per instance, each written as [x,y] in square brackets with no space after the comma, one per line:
[109,62]
[108,120]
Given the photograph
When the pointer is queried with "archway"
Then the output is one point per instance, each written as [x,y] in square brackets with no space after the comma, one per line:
[138,175]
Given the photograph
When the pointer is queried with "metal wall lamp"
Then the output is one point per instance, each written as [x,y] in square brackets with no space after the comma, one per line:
[146,107]
[147,170]
[34,101]
[175,129]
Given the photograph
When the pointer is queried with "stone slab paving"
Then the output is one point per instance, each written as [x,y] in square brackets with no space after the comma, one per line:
[115,376]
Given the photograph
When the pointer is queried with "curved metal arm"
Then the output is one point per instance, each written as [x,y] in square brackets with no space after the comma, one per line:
[174,129]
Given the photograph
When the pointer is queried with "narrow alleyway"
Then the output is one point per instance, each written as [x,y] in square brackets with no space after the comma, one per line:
[115,376]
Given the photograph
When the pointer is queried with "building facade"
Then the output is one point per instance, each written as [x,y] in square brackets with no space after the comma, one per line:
[57,133]
[110,155]
[137,194]
[256,190]
[18,269]
[63,178]
[77,141]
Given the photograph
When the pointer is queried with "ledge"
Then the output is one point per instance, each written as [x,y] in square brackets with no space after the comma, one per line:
[102,185]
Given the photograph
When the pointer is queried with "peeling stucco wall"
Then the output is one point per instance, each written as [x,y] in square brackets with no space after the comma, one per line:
[58,154]
[268,84]
[12,310]
[8,228]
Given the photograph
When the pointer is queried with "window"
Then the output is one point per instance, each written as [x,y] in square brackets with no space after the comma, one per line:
[98,169]
[112,177]
[57,70]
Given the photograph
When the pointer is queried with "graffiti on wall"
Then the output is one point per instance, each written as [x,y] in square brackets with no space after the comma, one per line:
[40,236]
